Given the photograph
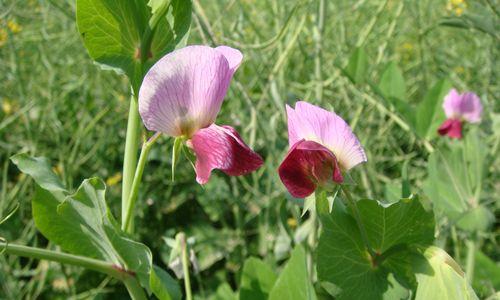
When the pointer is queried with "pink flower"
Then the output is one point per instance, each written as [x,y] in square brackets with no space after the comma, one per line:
[181,96]
[459,108]
[322,146]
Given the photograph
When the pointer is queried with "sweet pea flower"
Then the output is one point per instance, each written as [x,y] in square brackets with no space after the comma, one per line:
[322,147]
[181,96]
[459,108]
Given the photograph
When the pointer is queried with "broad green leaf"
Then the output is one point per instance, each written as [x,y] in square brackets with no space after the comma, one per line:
[392,83]
[486,274]
[39,168]
[455,179]
[163,285]
[394,231]
[442,278]
[430,112]
[257,280]
[294,282]
[112,32]
[81,223]
[357,67]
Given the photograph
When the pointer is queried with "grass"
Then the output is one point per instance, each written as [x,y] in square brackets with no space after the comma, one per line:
[66,108]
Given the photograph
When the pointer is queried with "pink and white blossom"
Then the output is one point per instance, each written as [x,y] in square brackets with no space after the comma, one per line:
[181,96]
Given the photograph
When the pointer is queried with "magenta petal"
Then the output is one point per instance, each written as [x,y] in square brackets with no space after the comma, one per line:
[451,128]
[307,166]
[221,147]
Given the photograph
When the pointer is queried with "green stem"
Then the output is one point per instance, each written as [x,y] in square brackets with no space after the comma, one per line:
[127,224]
[313,237]
[136,292]
[130,158]
[354,208]
[471,256]
[185,266]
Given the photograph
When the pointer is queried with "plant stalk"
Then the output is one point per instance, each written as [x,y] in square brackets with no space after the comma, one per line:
[470,262]
[135,290]
[185,266]
[127,224]
[130,157]
[354,208]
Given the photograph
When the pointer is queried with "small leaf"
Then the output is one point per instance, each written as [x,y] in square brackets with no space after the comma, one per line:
[294,282]
[357,67]
[478,218]
[430,114]
[392,84]
[443,279]
[39,168]
[224,292]
[486,274]
[257,280]
[163,285]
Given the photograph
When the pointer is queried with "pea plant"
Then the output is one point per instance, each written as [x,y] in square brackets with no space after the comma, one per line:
[348,247]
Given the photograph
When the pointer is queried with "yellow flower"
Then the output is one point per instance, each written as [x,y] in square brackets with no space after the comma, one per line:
[457,6]
[3,36]
[457,2]
[58,169]
[14,27]
[115,179]
[459,70]
[459,11]
[7,107]
[292,223]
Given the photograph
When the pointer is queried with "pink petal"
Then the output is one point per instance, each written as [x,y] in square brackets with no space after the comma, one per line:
[184,90]
[221,147]
[312,123]
[451,128]
[233,56]
[307,166]
[451,104]
[471,107]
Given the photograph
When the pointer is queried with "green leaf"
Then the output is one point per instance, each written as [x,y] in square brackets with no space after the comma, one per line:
[454,183]
[392,83]
[442,278]
[39,168]
[163,285]
[477,218]
[112,32]
[395,232]
[257,280]
[486,274]
[357,67]
[429,112]
[81,223]
[173,25]
[224,292]
[294,282]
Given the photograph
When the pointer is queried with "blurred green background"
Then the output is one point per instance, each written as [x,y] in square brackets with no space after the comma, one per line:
[56,103]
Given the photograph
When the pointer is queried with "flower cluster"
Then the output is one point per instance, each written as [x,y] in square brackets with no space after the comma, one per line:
[182,94]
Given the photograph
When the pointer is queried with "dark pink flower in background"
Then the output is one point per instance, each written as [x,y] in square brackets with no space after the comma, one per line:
[459,108]
[322,146]
[181,96]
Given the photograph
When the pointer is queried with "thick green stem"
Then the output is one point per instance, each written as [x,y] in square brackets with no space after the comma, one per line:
[130,158]
[470,262]
[136,292]
[127,224]
[354,208]
[185,266]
